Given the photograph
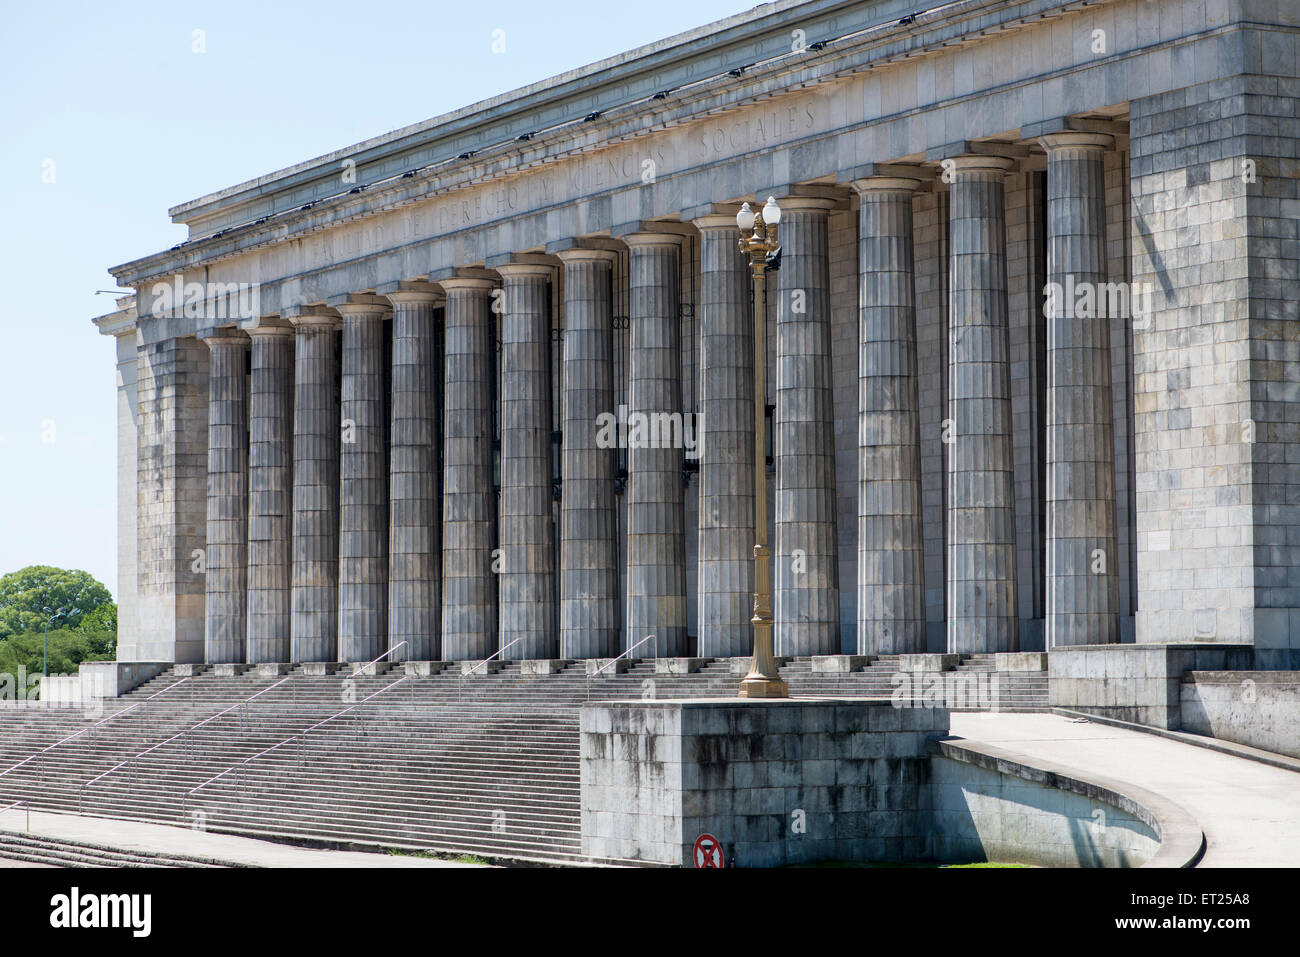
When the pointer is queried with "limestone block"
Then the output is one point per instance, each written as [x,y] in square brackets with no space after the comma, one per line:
[912,663]
[543,666]
[1020,661]
[838,664]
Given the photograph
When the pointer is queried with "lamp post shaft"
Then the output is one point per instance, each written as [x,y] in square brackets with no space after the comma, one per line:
[763,680]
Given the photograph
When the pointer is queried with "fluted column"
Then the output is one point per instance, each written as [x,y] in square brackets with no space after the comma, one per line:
[270,493]
[807,594]
[315,487]
[656,539]
[528,610]
[363,483]
[469,585]
[982,614]
[414,479]
[227,538]
[589,625]
[891,584]
[1082,557]
[726,504]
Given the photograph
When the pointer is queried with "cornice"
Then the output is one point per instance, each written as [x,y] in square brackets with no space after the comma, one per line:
[935,31]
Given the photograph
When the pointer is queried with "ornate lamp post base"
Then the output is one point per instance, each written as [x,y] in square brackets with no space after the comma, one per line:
[756,685]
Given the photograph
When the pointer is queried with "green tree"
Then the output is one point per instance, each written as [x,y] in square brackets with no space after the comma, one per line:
[26,593]
[98,629]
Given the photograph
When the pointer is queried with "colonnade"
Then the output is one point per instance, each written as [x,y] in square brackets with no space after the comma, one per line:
[352,507]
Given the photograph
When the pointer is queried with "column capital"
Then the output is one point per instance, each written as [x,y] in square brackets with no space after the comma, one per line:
[411,292]
[801,204]
[524,270]
[644,239]
[981,163]
[885,184]
[723,221]
[473,283]
[359,305]
[1071,139]
[267,326]
[306,317]
[577,254]
[225,336]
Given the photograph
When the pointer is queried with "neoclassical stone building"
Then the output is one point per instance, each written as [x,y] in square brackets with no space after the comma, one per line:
[360,405]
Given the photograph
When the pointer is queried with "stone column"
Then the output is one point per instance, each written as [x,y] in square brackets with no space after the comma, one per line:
[315,487]
[527,524]
[806,588]
[227,549]
[414,479]
[172,489]
[726,552]
[891,554]
[270,493]
[363,483]
[981,492]
[656,536]
[468,500]
[589,625]
[1082,556]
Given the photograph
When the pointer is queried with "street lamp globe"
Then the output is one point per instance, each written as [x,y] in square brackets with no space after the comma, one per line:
[745,218]
[771,211]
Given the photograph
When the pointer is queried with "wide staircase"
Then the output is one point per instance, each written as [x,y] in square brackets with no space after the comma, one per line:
[56,852]
[484,765]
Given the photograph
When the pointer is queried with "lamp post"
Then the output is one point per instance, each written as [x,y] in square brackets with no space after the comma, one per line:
[759,244]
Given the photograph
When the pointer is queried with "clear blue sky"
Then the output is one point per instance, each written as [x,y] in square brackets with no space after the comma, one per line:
[135,122]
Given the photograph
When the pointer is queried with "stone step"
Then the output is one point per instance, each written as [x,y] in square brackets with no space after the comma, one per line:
[424,763]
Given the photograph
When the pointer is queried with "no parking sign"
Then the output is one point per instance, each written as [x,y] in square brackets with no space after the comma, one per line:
[708,851]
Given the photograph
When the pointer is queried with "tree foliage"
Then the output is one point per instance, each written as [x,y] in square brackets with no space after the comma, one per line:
[88,635]
[26,593]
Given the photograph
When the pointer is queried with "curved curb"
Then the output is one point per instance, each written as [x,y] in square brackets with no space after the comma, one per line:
[1182,842]
[1271,758]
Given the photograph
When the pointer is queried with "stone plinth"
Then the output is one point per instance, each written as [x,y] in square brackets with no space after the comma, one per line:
[838,664]
[928,662]
[679,666]
[775,781]
[112,679]
[1138,683]
[535,667]
[1020,661]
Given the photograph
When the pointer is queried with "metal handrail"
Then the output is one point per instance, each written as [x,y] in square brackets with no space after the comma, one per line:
[92,727]
[377,660]
[624,654]
[493,655]
[297,735]
[185,731]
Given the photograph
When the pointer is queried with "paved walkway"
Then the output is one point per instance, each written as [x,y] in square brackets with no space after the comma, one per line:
[1250,812]
[162,839]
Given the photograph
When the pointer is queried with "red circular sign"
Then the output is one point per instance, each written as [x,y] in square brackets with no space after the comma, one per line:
[708,852]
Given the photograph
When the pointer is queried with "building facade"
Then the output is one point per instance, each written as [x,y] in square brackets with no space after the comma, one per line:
[487,383]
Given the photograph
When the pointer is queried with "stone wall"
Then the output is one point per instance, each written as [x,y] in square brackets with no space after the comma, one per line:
[1217,366]
[776,782]
[1256,708]
[1140,683]
[988,814]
